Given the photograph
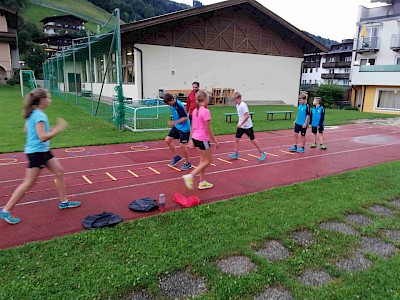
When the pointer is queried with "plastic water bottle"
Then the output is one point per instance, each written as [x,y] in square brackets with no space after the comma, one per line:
[161,202]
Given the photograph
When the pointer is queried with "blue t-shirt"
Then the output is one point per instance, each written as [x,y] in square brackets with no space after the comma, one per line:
[33,143]
[317,116]
[179,112]
[302,112]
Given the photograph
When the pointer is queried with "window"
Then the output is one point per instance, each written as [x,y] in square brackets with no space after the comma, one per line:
[128,65]
[388,99]
[316,70]
[99,62]
[305,70]
[332,59]
[311,69]
[347,71]
[347,58]
[397,60]
[345,82]
[316,81]
[365,61]
[310,81]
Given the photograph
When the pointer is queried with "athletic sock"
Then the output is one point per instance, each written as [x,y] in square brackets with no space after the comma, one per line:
[4,211]
[65,201]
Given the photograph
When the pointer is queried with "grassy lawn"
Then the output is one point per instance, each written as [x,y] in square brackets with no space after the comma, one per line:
[110,263]
[86,130]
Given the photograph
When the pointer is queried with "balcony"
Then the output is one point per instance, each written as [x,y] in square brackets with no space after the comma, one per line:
[368,44]
[311,64]
[335,76]
[337,64]
[395,43]
[380,68]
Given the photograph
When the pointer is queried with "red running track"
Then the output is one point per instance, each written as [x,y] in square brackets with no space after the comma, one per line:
[108,178]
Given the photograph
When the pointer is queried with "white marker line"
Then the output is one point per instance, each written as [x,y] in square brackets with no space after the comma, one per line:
[211,173]
[163,161]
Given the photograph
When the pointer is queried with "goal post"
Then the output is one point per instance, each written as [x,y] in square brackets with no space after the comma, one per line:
[27,81]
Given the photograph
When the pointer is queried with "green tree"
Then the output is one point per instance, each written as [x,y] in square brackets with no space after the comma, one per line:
[329,93]
[34,60]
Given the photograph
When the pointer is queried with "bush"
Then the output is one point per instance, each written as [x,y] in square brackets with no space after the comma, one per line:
[12,81]
[329,93]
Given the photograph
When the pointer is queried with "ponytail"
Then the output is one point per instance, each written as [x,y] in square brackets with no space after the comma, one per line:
[32,100]
[201,96]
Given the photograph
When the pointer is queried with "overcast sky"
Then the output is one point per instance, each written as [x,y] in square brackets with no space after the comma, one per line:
[334,19]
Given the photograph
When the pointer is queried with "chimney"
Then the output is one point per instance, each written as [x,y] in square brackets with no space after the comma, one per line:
[197,3]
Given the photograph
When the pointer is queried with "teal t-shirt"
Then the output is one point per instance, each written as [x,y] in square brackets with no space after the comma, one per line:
[33,143]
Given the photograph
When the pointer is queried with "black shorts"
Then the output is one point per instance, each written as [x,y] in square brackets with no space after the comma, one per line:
[299,128]
[177,134]
[316,129]
[249,132]
[39,159]
[202,145]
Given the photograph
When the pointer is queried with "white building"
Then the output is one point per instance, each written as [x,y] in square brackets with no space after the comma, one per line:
[376,59]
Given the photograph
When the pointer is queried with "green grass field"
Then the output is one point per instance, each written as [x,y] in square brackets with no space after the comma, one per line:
[86,130]
[34,12]
[111,263]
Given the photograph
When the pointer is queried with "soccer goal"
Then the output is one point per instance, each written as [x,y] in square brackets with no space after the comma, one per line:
[145,114]
[27,81]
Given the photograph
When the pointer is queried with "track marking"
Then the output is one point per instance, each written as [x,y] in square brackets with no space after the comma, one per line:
[112,177]
[242,159]
[211,173]
[213,165]
[139,148]
[271,154]
[11,161]
[252,155]
[154,170]
[134,174]
[225,161]
[164,161]
[87,179]
[74,150]
[286,152]
[172,167]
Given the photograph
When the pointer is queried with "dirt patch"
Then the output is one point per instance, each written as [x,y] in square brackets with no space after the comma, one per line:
[359,220]
[274,251]
[393,235]
[377,246]
[381,210]
[303,237]
[182,284]
[385,121]
[395,203]
[356,263]
[236,265]
[338,227]
[275,294]
[315,278]
[141,296]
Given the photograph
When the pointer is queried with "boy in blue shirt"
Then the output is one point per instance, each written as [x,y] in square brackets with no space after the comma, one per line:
[317,122]
[180,129]
[301,124]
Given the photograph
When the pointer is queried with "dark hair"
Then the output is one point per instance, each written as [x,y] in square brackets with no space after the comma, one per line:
[168,98]
[198,84]
[32,100]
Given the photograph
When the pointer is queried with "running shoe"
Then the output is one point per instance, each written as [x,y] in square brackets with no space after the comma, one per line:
[263,156]
[323,147]
[205,185]
[175,160]
[313,145]
[234,155]
[293,149]
[188,179]
[301,150]
[186,166]
[69,204]
[9,218]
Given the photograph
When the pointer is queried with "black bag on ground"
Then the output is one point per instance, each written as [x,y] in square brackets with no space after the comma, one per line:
[101,220]
[143,205]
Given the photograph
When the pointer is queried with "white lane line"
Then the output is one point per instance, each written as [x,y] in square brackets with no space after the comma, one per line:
[210,173]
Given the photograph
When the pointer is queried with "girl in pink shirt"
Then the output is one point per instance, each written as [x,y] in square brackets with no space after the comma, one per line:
[201,133]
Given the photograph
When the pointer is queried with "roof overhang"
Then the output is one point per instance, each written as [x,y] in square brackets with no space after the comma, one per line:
[309,45]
